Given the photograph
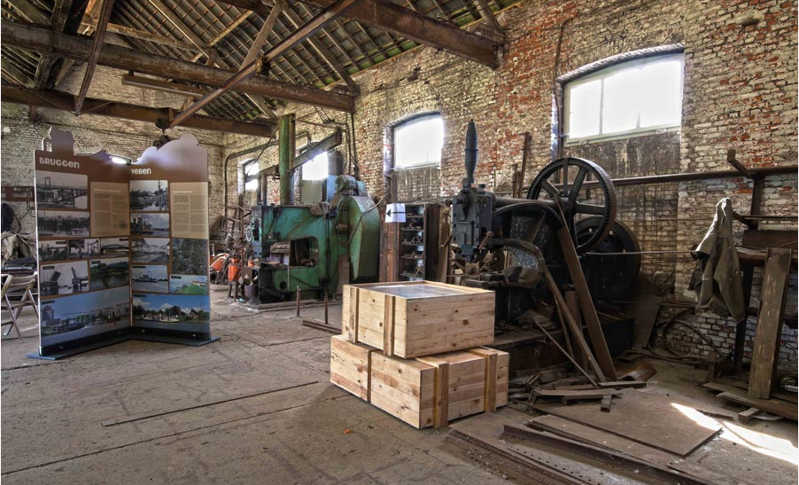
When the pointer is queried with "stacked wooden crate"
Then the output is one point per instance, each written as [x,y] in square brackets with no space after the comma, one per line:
[413,350]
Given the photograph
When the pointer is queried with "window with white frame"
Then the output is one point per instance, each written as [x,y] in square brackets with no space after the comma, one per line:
[250,172]
[418,142]
[633,97]
[316,169]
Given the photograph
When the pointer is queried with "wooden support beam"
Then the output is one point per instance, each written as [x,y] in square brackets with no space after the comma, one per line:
[230,28]
[16,75]
[263,34]
[64,102]
[320,47]
[31,12]
[57,23]
[488,16]
[278,50]
[42,40]
[159,85]
[415,26]
[94,54]
[144,35]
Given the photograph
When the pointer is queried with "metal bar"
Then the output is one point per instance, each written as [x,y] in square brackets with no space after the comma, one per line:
[567,354]
[253,67]
[415,26]
[43,40]
[94,54]
[65,102]
[324,145]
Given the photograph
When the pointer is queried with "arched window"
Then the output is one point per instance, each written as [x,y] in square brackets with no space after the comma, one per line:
[632,97]
[250,172]
[418,142]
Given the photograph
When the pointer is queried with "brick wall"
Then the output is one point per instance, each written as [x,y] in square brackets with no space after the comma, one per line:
[740,92]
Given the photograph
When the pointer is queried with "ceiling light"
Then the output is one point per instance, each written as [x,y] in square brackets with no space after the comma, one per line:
[120,159]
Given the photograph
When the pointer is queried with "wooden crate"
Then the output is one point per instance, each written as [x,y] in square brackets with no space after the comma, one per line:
[423,392]
[418,318]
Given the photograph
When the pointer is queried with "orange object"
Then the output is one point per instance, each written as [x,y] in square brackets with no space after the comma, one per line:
[346,431]
[219,262]
[234,270]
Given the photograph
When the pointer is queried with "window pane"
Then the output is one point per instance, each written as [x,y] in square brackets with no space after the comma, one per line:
[419,142]
[620,101]
[316,169]
[584,102]
[663,103]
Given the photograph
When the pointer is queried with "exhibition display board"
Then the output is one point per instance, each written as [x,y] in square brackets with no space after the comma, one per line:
[123,248]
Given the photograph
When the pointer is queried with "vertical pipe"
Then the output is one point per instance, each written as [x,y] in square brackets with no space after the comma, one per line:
[298,301]
[287,149]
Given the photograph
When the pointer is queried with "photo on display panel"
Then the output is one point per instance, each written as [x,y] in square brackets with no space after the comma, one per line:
[188,284]
[63,223]
[63,278]
[171,308]
[109,273]
[149,224]
[84,248]
[149,278]
[53,250]
[114,246]
[61,190]
[85,314]
[149,250]
[189,256]
[149,195]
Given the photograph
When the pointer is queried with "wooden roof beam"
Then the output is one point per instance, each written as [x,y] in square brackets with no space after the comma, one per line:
[278,50]
[64,102]
[94,54]
[42,40]
[383,14]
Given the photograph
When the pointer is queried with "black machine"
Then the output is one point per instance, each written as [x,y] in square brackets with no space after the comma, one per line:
[508,244]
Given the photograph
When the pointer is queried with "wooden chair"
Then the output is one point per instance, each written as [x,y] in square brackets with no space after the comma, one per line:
[16,295]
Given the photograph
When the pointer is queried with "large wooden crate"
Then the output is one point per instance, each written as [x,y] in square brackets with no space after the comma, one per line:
[418,318]
[423,392]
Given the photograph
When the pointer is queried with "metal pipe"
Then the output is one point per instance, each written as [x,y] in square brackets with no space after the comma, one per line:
[287,151]
[686,177]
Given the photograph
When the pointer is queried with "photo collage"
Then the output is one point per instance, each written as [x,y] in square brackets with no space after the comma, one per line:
[84,279]
[160,263]
[121,246]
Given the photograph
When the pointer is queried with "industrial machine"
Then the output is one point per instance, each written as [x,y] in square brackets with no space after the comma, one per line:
[566,222]
[314,249]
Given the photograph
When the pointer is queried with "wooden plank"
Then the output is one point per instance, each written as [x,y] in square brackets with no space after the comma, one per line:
[586,434]
[388,325]
[764,239]
[773,406]
[769,321]
[657,422]
[606,403]
[440,412]
[577,331]
[746,416]
[598,342]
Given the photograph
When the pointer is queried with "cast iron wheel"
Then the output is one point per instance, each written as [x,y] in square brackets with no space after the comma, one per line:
[610,277]
[574,204]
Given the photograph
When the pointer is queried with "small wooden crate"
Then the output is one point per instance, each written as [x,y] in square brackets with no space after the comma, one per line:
[418,318]
[423,392]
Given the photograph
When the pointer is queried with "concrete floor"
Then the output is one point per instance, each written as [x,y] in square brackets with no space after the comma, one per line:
[312,432]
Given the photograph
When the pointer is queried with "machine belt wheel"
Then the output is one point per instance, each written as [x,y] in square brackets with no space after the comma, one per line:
[574,203]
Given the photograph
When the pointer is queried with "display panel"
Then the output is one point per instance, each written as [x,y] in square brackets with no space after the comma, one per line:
[123,249]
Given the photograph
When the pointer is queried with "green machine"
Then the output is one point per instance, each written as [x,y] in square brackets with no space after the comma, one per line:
[314,248]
